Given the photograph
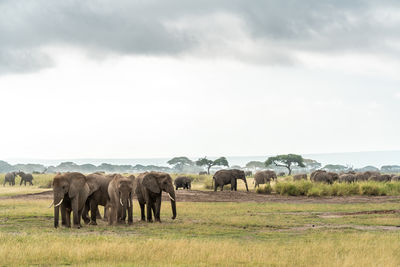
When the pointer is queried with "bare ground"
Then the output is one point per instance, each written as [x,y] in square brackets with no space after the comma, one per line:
[240,196]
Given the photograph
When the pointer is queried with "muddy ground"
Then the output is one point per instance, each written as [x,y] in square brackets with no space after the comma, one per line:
[240,196]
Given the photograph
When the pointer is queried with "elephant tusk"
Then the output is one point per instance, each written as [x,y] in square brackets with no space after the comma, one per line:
[120,201]
[171,197]
[51,204]
[59,203]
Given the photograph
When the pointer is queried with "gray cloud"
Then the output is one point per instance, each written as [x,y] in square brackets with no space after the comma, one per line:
[273,29]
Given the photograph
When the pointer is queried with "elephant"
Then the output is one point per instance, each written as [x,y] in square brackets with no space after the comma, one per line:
[299,177]
[282,174]
[10,178]
[224,177]
[203,173]
[184,182]
[347,178]
[263,177]
[395,178]
[99,197]
[380,178]
[71,191]
[25,177]
[364,176]
[324,177]
[249,173]
[149,187]
[120,190]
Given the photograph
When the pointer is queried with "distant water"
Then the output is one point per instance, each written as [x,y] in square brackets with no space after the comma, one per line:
[355,159]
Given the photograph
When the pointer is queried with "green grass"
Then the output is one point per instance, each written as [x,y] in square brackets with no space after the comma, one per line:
[206,234]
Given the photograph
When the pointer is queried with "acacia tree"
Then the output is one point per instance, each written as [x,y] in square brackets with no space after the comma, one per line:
[287,161]
[180,162]
[222,161]
[255,164]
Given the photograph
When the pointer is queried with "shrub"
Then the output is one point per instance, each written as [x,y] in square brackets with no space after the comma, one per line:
[369,189]
[266,190]
[345,189]
[314,192]
[287,189]
[208,183]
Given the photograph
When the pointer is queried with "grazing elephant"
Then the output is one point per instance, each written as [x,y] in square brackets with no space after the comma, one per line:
[71,192]
[10,178]
[347,178]
[263,177]
[380,178]
[184,182]
[364,176]
[224,177]
[299,177]
[149,187]
[324,177]
[120,191]
[249,173]
[282,174]
[99,197]
[25,177]
[395,178]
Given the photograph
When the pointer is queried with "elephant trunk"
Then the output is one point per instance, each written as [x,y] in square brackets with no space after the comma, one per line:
[56,214]
[173,203]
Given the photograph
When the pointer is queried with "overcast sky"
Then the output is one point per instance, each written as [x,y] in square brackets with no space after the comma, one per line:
[158,78]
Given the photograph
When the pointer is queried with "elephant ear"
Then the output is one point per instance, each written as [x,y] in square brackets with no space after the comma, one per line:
[150,182]
[93,183]
[77,183]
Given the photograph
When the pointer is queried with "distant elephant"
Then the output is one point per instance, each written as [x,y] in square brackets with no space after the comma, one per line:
[380,178]
[224,177]
[263,177]
[25,177]
[149,187]
[324,177]
[282,174]
[10,178]
[299,177]
[395,178]
[99,197]
[347,178]
[249,173]
[120,191]
[203,173]
[184,182]
[364,176]
[71,192]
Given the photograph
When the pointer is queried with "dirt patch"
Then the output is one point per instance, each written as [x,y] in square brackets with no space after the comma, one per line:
[241,196]
[343,214]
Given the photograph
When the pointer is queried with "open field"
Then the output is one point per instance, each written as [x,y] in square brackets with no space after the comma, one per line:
[245,229]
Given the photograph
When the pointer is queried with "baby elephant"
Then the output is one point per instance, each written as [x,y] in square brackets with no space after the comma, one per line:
[183,182]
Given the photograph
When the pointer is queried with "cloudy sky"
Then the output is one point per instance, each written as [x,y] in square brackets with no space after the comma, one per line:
[161,78]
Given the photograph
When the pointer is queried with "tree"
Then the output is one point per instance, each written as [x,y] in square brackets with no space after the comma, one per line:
[180,162]
[255,164]
[222,161]
[335,167]
[287,161]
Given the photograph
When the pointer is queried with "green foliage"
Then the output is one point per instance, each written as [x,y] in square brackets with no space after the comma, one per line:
[332,167]
[265,190]
[222,161]
[287,189]
[255,164]
[286,161]
[208,183]
[180,162]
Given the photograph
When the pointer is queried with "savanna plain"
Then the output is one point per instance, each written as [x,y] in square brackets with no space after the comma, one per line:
[212,229]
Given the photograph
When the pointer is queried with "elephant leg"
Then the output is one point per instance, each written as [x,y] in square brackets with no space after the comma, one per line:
[105,216]
[149,206]
[68,217]
[142,215]
[153,208]
[93,212]
[20,183]
[157,209]
[63,215]
[75,212]
[85,212]
[222,187]
[215,186]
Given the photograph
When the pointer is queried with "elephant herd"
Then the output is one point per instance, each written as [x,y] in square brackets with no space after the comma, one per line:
[25,178]
[349,177]
[77,194]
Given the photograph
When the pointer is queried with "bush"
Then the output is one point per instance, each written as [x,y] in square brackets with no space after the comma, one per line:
[266,190]
[314,192]
[344,189]
[208,183]
[287,189]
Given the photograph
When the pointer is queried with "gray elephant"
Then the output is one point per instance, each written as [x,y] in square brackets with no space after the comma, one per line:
[299,177]
[224,177]
[380,178]
[347,178]
[203,173]
[184,182]
[364,176]
[149,188]
[282,174]
[324,177]
[395,178]
[70,192]
[263,177]
[10,178]
[120,191]
[25,177]
[99,197]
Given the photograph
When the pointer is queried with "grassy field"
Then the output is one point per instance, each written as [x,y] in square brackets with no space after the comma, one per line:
[207,234]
